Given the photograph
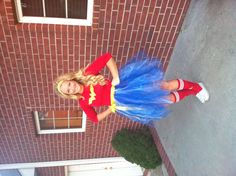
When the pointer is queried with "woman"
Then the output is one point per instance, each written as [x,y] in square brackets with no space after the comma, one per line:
[137,91]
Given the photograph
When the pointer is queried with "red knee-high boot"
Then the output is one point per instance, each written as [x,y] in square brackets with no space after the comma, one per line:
[186,88]
[184,84]
[181,94]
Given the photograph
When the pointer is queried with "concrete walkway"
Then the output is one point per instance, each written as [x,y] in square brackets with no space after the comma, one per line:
[200,139]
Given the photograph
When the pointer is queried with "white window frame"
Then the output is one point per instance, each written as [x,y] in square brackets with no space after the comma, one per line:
[53,131]
[49,20]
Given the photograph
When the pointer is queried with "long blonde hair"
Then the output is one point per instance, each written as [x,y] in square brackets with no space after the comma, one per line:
[79,77]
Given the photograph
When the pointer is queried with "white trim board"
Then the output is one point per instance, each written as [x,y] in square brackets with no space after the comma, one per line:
[59,163]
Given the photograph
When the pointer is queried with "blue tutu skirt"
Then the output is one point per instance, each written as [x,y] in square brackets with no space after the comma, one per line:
[139,96]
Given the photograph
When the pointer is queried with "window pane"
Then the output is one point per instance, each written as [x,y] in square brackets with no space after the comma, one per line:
[13,172]
[76,123]
[75,113]
[49,114]
[46,124]
[55,8]
[61,123]
[32,8]
[77,9]
[61,114]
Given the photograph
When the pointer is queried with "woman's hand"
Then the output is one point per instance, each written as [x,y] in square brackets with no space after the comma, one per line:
[104,114]
[111,64]
[115,81]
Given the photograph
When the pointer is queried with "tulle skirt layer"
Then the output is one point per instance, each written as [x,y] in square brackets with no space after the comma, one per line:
[139,96]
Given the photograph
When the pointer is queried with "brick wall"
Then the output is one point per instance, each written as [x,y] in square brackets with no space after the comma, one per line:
[50,171]
[32,55]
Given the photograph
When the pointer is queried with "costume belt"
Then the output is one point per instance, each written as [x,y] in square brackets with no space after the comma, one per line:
[113,103]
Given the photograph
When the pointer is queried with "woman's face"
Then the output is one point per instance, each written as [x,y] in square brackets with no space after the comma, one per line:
[71,87]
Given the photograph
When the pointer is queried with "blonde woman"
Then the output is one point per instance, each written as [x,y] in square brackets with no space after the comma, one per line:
[137,91]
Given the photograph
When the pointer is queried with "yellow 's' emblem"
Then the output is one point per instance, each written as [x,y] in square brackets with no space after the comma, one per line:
[92,94]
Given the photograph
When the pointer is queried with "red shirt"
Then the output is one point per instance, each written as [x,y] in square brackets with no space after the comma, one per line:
[96,95]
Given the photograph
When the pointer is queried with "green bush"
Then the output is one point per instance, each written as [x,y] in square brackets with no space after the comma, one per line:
[137,146]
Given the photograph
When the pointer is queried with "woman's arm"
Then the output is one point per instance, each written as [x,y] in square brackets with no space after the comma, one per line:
[111,64]
[92,114]
[104,114]
[98,64]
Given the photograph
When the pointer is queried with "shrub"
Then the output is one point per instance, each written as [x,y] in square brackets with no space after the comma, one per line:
[137,146]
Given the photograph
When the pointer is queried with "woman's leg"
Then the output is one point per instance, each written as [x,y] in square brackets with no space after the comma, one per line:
[170,85]
[171,98]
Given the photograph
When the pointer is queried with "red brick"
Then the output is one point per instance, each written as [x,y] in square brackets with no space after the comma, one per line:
[154,38]
[182,3]
[132,15]
[176,5]
[177,17]
[148,20]
[166,17]
[163,6]
[161,34]
[143,17]
[170,22]
[155,14]
[166,35]
[2,8]
[170,3]
[4,49]
[46,46]
[133,37]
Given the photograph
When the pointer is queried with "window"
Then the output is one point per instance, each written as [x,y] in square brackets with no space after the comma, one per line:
[12,172]
[68,12]
[18,172]
[60,121]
